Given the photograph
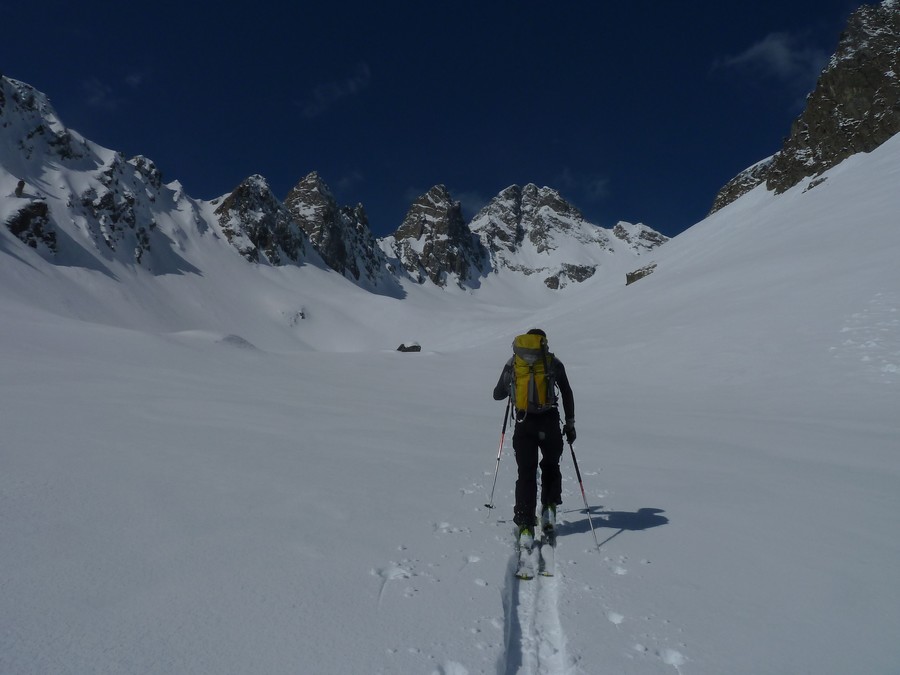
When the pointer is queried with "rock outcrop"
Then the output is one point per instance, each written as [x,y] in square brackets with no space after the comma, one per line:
[259,226]
[434,243]
[854,108]
[340,234]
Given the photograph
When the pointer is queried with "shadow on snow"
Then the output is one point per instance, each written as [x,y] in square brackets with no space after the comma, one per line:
[633,521]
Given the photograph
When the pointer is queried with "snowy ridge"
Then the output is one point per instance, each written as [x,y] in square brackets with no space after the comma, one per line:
[534,231]
[81,204]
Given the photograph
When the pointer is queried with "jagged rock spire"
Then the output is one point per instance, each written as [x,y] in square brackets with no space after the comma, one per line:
[258,225]
[434,242]
[340,234]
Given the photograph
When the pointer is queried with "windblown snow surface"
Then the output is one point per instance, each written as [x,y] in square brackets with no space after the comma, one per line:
[194,479]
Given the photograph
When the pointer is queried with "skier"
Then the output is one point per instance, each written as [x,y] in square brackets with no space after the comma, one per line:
[531,378]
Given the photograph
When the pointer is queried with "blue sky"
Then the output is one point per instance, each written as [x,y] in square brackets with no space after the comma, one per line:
[636,110]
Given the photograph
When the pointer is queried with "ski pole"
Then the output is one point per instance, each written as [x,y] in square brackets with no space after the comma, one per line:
[581,485]
[490,503]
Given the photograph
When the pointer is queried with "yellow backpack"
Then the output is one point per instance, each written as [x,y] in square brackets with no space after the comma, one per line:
[534,389]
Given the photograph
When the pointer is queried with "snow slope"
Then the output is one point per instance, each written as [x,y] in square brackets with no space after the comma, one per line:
[196,480]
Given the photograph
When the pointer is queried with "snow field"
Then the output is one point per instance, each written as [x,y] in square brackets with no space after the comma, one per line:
[193,483]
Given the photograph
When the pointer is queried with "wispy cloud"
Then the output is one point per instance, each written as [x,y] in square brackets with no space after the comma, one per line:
[591,187]
[781,56]
[325,96]
[348,181]
[100,95]
[135,79]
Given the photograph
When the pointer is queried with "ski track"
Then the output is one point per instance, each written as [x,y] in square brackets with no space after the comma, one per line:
[534,640]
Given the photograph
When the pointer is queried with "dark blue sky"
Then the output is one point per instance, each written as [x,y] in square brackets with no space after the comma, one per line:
[633,110]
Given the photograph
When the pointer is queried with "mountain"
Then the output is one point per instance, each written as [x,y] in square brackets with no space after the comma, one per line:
[523,232]
[259,226]
[340,234]
[855,107]
[102,207]
[99,206]
[433,242]
[534,231]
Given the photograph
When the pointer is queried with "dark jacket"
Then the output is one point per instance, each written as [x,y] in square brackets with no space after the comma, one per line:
[558,370]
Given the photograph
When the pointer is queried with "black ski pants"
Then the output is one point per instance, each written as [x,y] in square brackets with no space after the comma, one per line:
[537,432]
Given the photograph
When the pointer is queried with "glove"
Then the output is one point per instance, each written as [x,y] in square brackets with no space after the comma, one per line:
[569,431]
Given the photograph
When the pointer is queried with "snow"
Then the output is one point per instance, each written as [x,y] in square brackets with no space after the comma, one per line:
[194,480]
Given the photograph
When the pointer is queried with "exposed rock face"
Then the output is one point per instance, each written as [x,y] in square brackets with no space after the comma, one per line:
[532,224]
[640,237]
[433,241]
[31,224]
[259,226]
[341,235]
[637,274]
[855,106]
[741,184]
[529,214]
[111,207]
[22,104]
[567,273]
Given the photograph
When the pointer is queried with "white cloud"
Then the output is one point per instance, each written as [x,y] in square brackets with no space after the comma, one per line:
[590,187]
[783,57]
[134,79]
[326,95]
[348,181]
[100,95]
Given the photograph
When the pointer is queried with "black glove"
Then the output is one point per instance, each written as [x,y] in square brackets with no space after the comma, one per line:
[569,431]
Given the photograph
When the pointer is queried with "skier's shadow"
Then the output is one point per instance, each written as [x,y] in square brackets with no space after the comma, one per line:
[642,519]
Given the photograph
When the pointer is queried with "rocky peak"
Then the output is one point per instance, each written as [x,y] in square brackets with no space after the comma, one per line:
[340,234]
[27,115]
[434,213]
[529,214]
[533,230]
[434,242]
[313,195]
[258,225]
[314,209]
[855,106]
[112,203]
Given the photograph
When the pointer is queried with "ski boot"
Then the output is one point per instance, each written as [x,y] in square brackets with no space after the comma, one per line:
[548,518]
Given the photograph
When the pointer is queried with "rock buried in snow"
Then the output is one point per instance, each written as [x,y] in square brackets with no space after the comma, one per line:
[411,347]
[237,341]
[647,270]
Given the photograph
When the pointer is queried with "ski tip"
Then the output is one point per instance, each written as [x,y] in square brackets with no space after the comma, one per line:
[524,577]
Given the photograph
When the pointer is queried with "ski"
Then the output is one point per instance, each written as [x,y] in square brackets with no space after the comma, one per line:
[548,553]
[526,567]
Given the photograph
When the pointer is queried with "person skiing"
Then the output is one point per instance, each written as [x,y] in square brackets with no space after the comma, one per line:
[531,378]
